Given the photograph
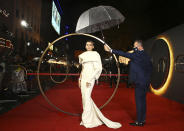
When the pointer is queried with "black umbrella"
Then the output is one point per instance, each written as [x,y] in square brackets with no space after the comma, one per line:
[98,18]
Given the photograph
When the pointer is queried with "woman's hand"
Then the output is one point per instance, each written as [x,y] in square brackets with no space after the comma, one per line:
[79,83]
[88,84]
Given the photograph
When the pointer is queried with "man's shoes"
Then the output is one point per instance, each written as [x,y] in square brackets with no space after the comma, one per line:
[137,124]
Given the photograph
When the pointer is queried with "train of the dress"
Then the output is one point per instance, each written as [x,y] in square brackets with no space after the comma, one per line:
[97,118]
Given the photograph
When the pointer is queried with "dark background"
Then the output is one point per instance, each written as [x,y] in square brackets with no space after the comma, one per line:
[144,18]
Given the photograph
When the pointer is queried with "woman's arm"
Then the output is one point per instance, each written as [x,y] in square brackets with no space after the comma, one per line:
[97,69]
[79,81]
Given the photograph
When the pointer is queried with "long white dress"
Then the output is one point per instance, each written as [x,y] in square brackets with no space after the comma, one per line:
[91,70]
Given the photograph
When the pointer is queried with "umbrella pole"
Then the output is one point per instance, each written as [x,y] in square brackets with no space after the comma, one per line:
[102,35]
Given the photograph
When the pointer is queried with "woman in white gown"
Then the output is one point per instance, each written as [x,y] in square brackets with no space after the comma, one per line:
[91,70]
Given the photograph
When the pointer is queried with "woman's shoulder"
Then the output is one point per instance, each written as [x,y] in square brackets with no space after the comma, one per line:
[89,54]
[83,53]
[95,52]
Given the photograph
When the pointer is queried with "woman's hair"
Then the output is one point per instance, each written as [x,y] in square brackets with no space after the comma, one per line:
[90,42]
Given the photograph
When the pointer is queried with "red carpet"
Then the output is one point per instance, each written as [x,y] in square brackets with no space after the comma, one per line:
[37,115]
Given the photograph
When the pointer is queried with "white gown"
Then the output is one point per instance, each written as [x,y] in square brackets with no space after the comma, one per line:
[91,70]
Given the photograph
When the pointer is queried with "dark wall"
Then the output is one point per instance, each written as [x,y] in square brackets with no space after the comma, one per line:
[157,51]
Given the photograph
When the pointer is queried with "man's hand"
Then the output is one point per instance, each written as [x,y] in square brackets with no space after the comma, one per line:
[107,48]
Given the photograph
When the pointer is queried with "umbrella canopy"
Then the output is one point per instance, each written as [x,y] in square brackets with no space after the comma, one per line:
[98,18]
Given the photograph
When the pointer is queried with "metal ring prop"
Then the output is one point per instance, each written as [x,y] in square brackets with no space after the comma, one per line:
[105,72]
[58,82]
[38,70]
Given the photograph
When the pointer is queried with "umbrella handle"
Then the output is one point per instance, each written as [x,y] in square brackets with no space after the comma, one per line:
[104,39]
[102,35]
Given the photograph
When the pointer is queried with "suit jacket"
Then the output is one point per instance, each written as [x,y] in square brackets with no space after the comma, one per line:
[140,66]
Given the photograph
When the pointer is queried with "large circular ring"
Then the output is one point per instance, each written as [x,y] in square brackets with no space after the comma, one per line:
[38,70]
[167,82]
[53,80]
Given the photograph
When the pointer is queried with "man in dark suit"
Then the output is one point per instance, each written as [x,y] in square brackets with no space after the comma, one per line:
[140,74]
